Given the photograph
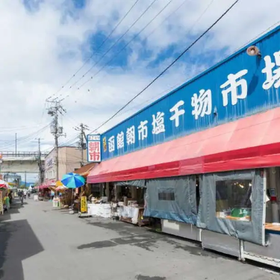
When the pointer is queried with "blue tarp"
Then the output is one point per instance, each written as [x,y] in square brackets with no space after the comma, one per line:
[172,199]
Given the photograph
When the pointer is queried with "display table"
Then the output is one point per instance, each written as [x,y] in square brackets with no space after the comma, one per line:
[273,227]
[100,210]
[132,214]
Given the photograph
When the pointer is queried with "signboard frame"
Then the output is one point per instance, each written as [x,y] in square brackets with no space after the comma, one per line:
[93,142]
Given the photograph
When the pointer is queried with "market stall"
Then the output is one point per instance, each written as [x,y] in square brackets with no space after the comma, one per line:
[3,195]
[73,181]
[129,202]
[43,192]
[228,138]
[98,200]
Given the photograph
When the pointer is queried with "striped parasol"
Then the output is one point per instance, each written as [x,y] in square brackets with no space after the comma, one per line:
[73,180]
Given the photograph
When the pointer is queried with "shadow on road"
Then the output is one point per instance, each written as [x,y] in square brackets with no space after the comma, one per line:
[17,242]
[16,205]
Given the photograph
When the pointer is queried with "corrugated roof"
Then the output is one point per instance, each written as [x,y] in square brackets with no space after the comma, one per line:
[84,170]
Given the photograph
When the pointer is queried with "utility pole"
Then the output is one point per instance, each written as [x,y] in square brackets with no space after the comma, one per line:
[57,131]
[82,143]
[16,144]
[41,169]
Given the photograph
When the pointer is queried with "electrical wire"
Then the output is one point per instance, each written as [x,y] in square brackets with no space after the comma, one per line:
[99,47]
[174,87]
[169,15]
[116,42]
[256,37]
[7,129]
[197,20]
[172,13]
[25,139]
[169,66]
[126,45]
[68,142]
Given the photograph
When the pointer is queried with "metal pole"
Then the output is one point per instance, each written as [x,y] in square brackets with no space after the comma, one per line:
[40,162]
[82,144]
[25,179]
[16,144]
[57,131]
[56,141]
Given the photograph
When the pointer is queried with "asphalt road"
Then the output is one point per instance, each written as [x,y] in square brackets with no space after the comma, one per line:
[39,243]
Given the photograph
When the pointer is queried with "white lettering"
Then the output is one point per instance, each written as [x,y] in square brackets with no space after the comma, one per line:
[158,123]
[232,85]
[177,112]
[111,144]
[272,76]
[202,104]
[120,140]
[130,135]
[142,130]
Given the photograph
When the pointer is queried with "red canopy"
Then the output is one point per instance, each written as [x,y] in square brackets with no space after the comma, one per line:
[251,142]
[42,187]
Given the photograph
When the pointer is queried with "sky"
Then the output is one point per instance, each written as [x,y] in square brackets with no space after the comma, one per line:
[45,42]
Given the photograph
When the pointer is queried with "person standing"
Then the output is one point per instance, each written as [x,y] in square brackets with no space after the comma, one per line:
[11,196]
[52,194]
[7,201]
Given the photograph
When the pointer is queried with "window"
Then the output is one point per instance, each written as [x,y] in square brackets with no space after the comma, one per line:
[166,194]
[233,199]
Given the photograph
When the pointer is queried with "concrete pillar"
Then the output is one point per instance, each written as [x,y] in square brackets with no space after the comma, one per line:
[118,191]
[107,190]
[115,191]
[134,193]
[101,190]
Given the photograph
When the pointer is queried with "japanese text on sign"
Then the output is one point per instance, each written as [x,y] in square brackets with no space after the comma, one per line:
[94,148]
[237,87]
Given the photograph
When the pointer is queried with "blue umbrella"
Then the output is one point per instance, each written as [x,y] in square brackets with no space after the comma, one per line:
[73,180]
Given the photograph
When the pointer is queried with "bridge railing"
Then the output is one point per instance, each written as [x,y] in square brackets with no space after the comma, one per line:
[21,154]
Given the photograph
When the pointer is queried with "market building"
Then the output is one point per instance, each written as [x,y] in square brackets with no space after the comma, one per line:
[204,159]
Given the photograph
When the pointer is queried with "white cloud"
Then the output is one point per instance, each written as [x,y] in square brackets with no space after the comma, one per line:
[41,49]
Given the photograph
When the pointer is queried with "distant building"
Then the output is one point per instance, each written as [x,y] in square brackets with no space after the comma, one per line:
[69,158]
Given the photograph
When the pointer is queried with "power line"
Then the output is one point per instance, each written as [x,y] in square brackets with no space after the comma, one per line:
[71,141]
[7,129]
[112,46]
[25,139]
[256,37]
[54,111]
[173,12]
[151,34]
[99,47]
[126,45]
[178,84]
[170,65]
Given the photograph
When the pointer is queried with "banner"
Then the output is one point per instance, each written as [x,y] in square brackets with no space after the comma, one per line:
[94,148]
[83,204]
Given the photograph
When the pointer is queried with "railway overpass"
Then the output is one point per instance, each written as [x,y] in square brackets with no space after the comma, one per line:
[20,162]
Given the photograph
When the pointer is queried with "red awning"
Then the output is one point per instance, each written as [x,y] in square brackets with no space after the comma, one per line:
[251,142]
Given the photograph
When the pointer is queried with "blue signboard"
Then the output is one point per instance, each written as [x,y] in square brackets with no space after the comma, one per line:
[239,86]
